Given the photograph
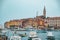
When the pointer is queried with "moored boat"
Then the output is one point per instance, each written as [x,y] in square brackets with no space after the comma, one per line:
[50,36]
[3,37]
[33,36]
[15,38]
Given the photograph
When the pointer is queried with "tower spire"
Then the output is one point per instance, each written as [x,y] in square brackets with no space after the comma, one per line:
[44,12]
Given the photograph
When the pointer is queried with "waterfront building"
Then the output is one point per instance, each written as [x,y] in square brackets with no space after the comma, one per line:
[13,23]
[53,22]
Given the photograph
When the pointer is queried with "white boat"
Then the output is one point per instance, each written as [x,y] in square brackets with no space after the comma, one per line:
[33,36]
[36,39]
[4,31]
[18,29]
[50,36]
[15,38]
[29,28]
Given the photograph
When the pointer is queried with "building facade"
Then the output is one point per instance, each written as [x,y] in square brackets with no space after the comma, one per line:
[34,22]
[53,22]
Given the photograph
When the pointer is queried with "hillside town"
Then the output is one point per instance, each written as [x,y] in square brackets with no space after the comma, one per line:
[39,22]
[29,19]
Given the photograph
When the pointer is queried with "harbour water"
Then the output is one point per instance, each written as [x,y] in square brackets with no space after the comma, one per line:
[41,35]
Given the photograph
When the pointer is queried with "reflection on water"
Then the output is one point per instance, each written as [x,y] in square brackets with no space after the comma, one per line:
[41,35]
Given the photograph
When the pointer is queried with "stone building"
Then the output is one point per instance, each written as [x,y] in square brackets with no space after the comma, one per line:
[53,22]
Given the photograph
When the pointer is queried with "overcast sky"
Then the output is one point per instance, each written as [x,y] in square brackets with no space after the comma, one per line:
[19,9]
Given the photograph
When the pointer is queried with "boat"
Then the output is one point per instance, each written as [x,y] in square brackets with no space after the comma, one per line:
[30,28]
[15,38]
[3,37]
[23,35]
[36,38]
[50,36]
[17,32]
[33,36]
[18,29]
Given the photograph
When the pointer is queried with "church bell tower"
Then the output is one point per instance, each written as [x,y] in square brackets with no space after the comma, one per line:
[44,12]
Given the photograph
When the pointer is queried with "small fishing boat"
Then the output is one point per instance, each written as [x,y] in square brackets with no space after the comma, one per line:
[36,38]
[23,35]
[15,38]
[29,28]
[3,37]
[33,36]
[50,36]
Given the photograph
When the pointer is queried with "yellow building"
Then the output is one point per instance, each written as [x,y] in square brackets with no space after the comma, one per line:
[13,23]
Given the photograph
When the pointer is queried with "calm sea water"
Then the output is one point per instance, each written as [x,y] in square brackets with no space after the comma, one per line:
[43,36]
